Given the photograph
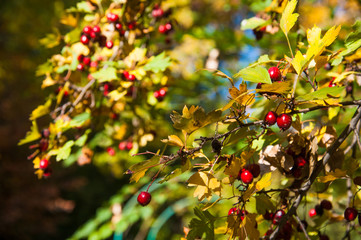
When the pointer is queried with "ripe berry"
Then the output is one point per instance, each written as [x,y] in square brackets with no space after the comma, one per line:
[111,151]
[259,85]
[112,17]
[246,177]
[87,30]
[305,225]
[319,209]
[45,133]
[44,163]
[277,216]
[129,145]
[109,44]
[93,64]
[332,84]
[96,29]
[118,26]
[80,67]
[254,169]
[84,39]
[168,27]
[122,145]
[270,118]
[274,74]
[326,204]
[126,74]
[131,25]
[80,57]
[312,212]
[131,77]
[300,162]
[350,214]
[284,121]
[268,216]
[47,172]
[157,13]
[162,92]
[86,61]
[162,29]
[144,198]
[234,210]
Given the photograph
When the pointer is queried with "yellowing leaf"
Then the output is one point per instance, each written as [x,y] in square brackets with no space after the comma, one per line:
[41,110]
[331,176]
[288,18]
[48,81]
[206,184]
[173,140]
[255,74]
[264,182]
[138,170]
[314,35]
[235,166]
[299,62]
[276,87]
[32,135]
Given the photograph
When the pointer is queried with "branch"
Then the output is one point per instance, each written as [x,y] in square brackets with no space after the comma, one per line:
[302,227]
[307,185]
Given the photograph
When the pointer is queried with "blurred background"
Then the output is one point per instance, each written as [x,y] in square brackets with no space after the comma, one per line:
[55,208]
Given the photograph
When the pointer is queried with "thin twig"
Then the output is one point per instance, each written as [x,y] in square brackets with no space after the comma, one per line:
[302,227]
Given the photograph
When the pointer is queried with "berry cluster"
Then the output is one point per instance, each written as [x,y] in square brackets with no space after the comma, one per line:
[319,208]
[126,145]
[284,120]
[160,94]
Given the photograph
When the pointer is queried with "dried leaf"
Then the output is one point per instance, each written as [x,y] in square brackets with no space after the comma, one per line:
[173,140]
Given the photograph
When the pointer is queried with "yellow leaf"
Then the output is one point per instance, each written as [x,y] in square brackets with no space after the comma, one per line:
[120,131]
[173,140]
[138,170]
[235,166]
[69,20]
[32,135]
[79,48]
[264,182]
[137,55]
[314,35]
[206,185]
[331,35]
[288,18]
[48,81]
[250,226]
[41,110]
[331,176]
[299,62]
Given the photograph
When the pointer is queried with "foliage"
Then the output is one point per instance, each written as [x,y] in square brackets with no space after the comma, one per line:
[109,103]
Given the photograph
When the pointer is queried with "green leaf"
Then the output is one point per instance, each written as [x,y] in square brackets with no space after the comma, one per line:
[41,110]
[51,40]
[256,74]
[79,120]
[252,23]
[44,68]
[72,36]
[81,7]
[324,93]
[138,170]
[158,63]
[82,140]
[104,75]
[204,224]
[32,135]
[64,151]
[288,18]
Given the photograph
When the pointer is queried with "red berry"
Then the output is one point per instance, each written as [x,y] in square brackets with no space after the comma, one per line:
[271,118]
[84,39]
[157,13]
[112,17]
[118,26]
[94,64]
[259,85]
[326,204]
[109,44]
[93,35]
[284,121]
[87,30]
[80,57]
[111,151]
[350,214]
[86,61]
[268,216]
[80,67]
[162,29]
[300,162]
[131,77]
[234,210]
[144,198]
[126,74]
[122,146]
[156,94]
[277,216]
[246,177]
[47,172]
[44,163]
[168,27]
[96,29]
[274,74]
[131,25]
[162,92]
[129,145]
[312,212]
[332,84]
[254,169]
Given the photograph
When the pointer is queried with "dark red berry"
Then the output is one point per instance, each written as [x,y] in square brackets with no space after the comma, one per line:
[144,198]
[109,44]
[45,133]
[297,172]
[44,163]
[312,212]
[47,172]
[277,216]
[324,237]
[162,29]
[111,151]
[305,225]
[274,74]
[259,85]
[246,177]
[270,118]
[118,26]
[84,39]
[131,25]
[80,57]
[350,214]
[300,162]
[326,204]
[268,215]
[286,230]
[43,144]
[319,209]
[284,121]
[234,210]
[156,94]
[93,35]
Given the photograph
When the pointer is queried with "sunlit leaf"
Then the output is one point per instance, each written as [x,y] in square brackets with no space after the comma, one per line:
[138,170]
[105,74]
[331,176]
[256,74]
[288,18]
[31,135]
[64,151]
[41,110]
[321,94]
[173,140]
[252,23]
[158,63]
